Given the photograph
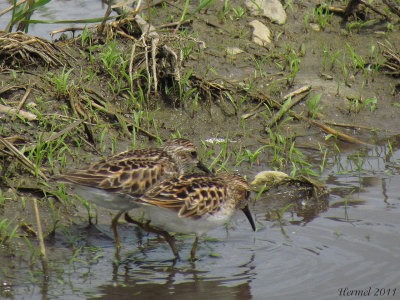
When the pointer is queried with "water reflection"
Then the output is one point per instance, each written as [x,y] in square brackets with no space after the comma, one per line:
[302,205]
[165,280]
[196,289]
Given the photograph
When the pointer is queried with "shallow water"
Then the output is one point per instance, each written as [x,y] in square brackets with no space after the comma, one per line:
[354,246]
[58,10]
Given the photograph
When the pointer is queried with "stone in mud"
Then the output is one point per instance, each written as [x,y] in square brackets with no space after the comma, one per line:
[233,51]
[315,27]
[272,9]
[261,33]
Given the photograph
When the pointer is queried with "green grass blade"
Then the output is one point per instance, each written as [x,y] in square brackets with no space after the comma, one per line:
[198,8]
[93,20]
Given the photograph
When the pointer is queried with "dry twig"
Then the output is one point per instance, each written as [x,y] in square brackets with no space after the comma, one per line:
[23,159]
[11,7]
[286,107]
[22,102]
[13,111]
[393,7]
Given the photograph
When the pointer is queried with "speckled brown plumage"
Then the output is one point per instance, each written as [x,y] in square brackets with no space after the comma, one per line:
[130,174]
[195,203]
[193,195]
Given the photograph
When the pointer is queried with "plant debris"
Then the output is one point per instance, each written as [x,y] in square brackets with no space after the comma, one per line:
[18,48]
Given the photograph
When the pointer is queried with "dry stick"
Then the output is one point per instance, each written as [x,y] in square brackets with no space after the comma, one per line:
[73,29]
[23,159]
[375,9]
[149,134]
[359,127]
[138,7]
[131,68]
[173,24]
[111,111]
[178,62]
[56,135]
[154,42]
[284,108]
[120,32]
[28,91]
[325,128]
[390,55]
[123,122]
[354,3]
[68,118]
[100,28]
[254,110]
[329,130]
[340,135]
[296,92]
[11,110]
[146,56]
[7,88]
[390,52]
[12,7]
[393,8]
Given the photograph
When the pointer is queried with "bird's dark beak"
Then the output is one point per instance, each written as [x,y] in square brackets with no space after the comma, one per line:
[247,212]
[203,167]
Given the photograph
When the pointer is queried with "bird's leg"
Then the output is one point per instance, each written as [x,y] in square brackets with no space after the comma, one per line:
[171,241]
[129,219]
[147,227]
[114,223]
[194,247]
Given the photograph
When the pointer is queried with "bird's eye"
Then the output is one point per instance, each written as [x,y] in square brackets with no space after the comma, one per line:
[193,154]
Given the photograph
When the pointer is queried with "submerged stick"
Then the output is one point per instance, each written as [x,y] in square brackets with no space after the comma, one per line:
[39,227]
[41,240]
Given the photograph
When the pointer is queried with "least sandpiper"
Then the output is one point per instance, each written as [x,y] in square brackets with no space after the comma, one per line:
[194,203]
[112,182]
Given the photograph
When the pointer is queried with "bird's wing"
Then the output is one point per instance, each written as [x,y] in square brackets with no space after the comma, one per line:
[131,174]
[192,195]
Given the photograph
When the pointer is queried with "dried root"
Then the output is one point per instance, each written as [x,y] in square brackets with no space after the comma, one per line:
[18,48]
[392,64]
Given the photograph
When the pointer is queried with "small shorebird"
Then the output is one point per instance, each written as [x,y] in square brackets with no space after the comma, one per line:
[194,203]
[114,181]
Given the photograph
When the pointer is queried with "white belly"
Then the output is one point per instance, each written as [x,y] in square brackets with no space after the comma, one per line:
[104,199]
[169,220]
